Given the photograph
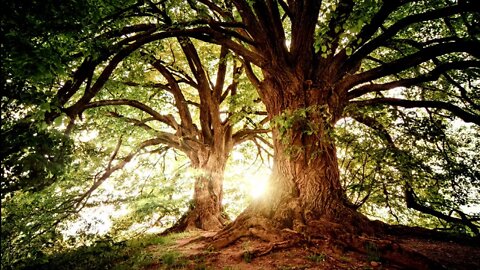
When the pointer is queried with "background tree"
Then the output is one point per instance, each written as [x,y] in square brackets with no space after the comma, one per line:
[193,106]
[57,48]
[114,42]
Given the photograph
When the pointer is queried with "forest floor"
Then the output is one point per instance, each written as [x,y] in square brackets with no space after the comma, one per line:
[189,252]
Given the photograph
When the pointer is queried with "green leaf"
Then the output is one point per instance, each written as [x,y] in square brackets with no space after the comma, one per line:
[348,50]
[58,121]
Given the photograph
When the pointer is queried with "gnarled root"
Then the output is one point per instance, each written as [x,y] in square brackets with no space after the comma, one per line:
[345,236]
[194,219]
[253,226]
[260,228]
[382,248]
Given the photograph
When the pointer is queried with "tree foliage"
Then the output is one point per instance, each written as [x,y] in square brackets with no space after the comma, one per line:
[391,87]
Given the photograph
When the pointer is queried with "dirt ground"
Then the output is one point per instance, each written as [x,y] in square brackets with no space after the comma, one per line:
[318,255]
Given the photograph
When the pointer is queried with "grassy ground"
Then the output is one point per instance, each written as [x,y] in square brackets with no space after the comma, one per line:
[107,254]
[190,251]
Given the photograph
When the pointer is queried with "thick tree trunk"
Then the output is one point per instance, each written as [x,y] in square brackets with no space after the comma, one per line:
[206,211]
[306,175]
[305,195]
[305,185]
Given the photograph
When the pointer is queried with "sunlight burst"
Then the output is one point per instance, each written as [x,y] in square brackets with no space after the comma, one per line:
[257,184]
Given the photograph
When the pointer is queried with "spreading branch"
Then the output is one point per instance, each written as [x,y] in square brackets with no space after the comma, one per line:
[373,124]
[174,88]
[202,33]
[390,32]
[111,169]
[135,122]
[411,198]
[167,119]
[407,82]
[415,59]
[455,110]
[377,21]
[247,134]
[413,203]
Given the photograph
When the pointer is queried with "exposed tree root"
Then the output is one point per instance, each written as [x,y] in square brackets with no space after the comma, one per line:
[275,246]
[194,220]
[380,245]
[240,228]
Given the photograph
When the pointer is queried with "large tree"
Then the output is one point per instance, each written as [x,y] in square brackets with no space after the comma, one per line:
[316,62]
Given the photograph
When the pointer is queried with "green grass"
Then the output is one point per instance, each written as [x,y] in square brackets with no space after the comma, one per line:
[345,259]
[373,254]
[320,257]
[173,259]
[117,255]
[247,256]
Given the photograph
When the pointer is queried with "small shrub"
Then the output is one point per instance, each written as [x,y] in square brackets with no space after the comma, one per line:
[201,266]
[148,240]
[316,257]
[169,258]
[173,259]
[373,254]
[247,256]
[345,259]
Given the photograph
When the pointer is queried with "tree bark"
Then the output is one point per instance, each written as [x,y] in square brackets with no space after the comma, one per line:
[206,210]
[304,194]
[306,168]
